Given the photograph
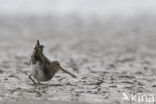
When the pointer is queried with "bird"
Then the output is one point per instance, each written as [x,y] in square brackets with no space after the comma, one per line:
[42,69]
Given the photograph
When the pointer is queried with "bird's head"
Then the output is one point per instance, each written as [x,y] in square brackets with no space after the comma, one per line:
[58,66]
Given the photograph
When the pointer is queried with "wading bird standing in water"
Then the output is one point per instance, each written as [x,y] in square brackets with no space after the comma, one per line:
[42,69]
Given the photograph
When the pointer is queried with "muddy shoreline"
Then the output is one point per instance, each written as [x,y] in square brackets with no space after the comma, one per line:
[107,58]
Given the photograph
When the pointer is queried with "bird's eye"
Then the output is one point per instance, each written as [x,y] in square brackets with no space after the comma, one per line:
[57,63]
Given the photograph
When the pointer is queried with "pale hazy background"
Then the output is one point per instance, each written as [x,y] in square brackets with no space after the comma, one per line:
[46,17]
[80,7]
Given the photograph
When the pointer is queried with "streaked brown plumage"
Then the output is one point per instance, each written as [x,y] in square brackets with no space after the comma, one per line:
[42,69]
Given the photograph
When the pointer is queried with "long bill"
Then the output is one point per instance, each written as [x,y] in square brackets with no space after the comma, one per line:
[68,73]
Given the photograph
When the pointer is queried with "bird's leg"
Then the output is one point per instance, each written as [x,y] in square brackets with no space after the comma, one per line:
[38,82]
[32,79]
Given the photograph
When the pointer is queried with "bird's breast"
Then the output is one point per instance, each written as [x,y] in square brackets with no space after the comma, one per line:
[37,70]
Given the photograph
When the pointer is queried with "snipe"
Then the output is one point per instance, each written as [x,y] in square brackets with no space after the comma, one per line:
[42,69]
